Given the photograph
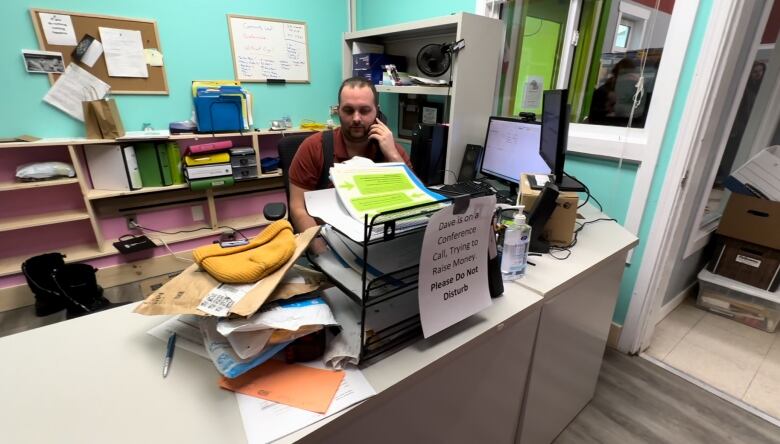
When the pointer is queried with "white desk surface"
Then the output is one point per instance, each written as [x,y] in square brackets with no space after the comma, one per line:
[596,244]
[98,379]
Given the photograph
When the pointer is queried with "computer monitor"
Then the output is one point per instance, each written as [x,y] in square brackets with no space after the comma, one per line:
[555,135]
[512,148]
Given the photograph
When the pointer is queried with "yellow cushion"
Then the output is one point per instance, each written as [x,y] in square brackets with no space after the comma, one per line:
[245,264]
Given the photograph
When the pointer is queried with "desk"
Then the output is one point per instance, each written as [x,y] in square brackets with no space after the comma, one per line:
[98,378]
[579,300]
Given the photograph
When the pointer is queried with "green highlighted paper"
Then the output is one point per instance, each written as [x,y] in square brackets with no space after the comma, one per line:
[376,189]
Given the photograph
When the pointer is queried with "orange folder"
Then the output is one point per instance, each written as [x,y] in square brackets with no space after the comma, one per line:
[290,384]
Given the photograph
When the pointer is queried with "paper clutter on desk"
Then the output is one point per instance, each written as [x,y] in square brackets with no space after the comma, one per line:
[295,385]
[185,293]
[281,321]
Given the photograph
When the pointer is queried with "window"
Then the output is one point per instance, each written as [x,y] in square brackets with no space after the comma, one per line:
[621,37]
[620,42]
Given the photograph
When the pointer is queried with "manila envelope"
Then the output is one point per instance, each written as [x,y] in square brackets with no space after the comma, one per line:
[182,294]
[295,385]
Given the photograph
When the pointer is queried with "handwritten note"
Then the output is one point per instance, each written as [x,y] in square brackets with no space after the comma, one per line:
[266,49]
[58,29]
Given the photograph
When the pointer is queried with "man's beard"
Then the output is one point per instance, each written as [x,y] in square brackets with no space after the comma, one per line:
[346,130]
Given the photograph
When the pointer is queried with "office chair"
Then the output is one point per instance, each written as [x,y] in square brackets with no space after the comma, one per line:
[287,147]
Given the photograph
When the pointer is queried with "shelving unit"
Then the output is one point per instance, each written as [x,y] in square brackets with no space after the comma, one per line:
[474,71]
[99,205]
[12,186]
[57,217]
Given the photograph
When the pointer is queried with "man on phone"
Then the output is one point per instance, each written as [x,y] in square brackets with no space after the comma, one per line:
[362,133]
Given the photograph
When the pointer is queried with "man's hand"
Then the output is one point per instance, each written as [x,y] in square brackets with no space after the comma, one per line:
[384,137]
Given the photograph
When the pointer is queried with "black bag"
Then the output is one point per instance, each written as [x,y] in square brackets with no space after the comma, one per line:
[59,286]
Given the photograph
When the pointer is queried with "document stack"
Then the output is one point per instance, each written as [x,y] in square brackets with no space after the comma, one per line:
[221,105]
[208,165]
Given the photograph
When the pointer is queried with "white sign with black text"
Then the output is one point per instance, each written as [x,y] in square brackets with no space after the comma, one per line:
[453,282]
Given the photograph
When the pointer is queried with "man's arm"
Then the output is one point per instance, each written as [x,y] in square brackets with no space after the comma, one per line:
[298,214]
[301,219]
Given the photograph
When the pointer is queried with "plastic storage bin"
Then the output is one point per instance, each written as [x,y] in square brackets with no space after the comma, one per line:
[738,301]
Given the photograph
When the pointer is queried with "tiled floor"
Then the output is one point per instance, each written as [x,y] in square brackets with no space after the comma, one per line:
[741,361]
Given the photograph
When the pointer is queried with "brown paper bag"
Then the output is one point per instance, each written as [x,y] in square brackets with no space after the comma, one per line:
[101,119]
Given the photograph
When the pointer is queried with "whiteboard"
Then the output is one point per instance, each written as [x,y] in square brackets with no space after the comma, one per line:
[268,49]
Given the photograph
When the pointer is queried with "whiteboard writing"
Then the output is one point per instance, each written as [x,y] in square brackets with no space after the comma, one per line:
[265,49]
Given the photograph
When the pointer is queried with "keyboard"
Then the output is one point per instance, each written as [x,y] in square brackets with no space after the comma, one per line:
[468,188]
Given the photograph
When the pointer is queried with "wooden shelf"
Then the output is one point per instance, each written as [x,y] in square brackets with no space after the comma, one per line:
[11,186]
[13,265]
[414,89]
[58,217]
[104,194]
[55,142]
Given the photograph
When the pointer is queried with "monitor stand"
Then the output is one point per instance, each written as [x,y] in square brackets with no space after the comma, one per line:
[567,184]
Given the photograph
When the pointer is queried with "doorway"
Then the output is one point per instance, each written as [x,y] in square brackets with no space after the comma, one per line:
[698,324]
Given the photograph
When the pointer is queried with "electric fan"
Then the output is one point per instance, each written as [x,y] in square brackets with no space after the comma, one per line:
[434,59]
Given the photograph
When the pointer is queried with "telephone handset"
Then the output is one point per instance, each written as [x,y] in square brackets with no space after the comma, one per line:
[382,118]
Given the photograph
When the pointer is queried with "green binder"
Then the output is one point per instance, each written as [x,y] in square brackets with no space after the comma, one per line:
[165,167]
[174,162]
[211,182]
[148,164]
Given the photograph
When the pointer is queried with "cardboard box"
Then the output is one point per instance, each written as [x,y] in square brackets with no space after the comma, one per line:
[749,247]
[559,230]
[748,263]
[751,220]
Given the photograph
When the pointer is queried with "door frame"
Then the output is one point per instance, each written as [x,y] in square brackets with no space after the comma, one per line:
[721,67]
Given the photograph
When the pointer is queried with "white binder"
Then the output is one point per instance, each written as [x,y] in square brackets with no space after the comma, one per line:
[113,167]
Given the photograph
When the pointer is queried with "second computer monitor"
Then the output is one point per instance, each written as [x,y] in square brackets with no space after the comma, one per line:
[512,148]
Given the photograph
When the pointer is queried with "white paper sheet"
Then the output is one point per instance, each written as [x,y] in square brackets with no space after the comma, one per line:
[73,87]
[124,52]
[188,335]
[265,421]
[58,29]
[93,53]
[453,282]
[153,57]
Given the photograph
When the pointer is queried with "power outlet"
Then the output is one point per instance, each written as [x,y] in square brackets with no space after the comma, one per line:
[132,221]
[197,213]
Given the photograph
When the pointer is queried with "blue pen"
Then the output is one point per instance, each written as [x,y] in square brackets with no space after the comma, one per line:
[169,354]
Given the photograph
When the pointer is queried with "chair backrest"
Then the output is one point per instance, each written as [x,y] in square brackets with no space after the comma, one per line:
[287,148]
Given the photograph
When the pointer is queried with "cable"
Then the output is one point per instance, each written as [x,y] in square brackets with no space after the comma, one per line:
[162,241]
[136,225]
[567,248]
[589,195]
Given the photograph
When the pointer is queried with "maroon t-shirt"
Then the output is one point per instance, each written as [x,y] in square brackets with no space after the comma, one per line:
[306,167]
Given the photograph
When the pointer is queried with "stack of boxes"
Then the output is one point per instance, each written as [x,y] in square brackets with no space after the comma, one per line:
[371,65]
[244,163]
[742,278]
[208,165]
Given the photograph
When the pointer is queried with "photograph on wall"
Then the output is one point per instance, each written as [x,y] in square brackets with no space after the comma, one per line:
[43,61]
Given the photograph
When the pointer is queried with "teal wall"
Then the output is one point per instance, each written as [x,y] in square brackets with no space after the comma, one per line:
[678,107]
[195,43]
[609,182]
[375,13]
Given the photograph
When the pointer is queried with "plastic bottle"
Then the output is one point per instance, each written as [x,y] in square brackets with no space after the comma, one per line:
[514,254]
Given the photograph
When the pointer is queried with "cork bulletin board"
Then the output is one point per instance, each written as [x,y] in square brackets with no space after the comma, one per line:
[84,24]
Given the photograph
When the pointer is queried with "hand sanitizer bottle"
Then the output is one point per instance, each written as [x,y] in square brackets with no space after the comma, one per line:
[514,255]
